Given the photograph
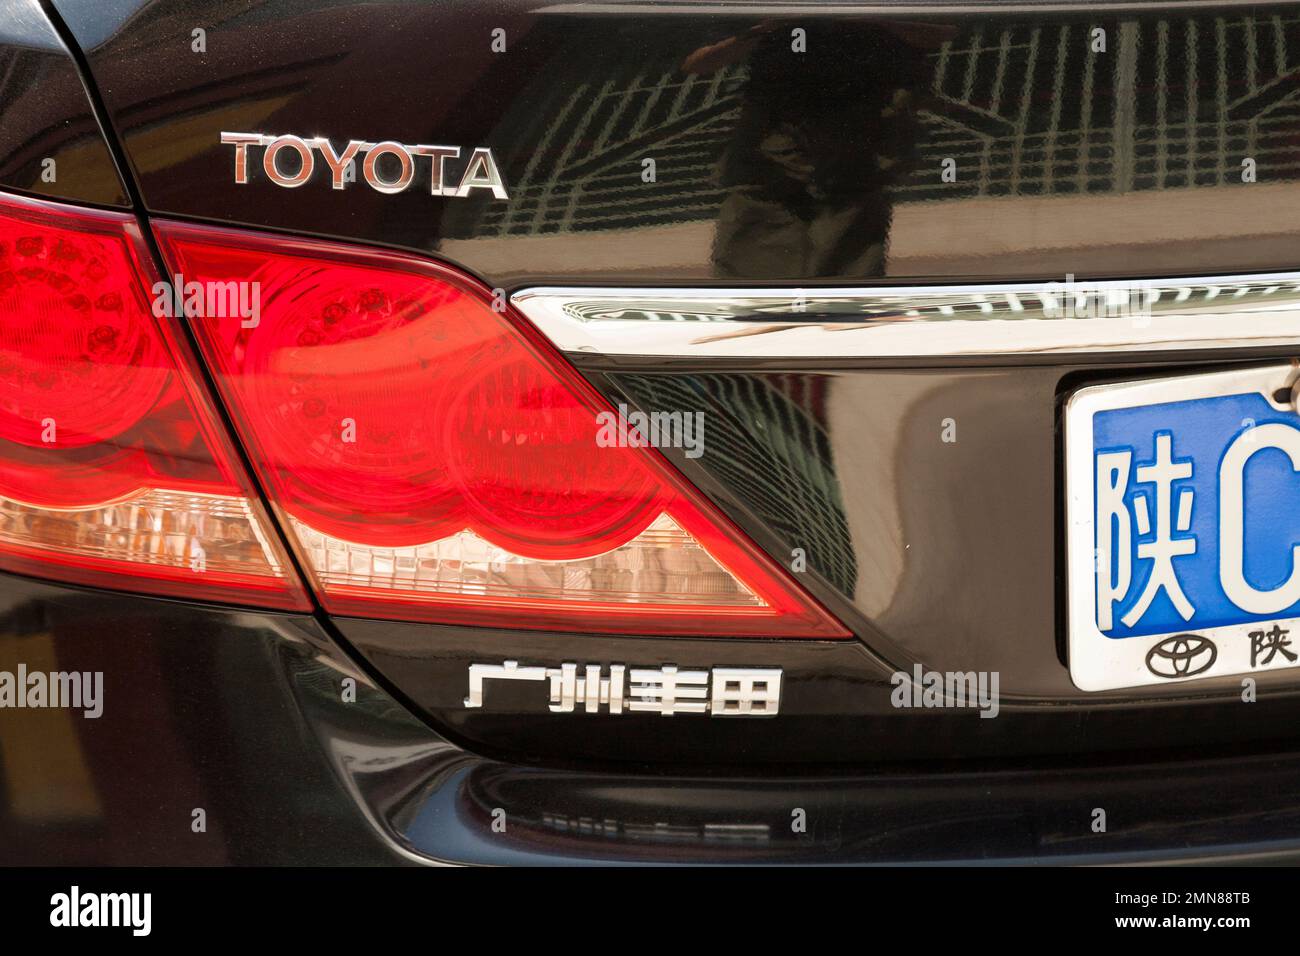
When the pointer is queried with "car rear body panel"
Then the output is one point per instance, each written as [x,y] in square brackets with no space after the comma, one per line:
[243,715]
[51,143]
[1127,163]
[924,492]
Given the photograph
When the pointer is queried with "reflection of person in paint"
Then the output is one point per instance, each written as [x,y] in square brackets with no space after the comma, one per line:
[822,135]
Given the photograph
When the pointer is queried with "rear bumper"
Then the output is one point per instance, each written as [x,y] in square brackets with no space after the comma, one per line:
[246,715]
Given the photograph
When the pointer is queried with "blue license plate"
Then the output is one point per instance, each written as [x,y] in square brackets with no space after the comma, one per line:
[1183,512]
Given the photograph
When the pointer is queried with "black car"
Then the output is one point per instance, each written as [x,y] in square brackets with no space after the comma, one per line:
[528,431]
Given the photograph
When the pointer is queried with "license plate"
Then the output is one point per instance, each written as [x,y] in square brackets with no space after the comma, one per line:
[1183,528]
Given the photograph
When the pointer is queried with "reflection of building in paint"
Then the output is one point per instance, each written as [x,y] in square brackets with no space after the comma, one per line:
[1171,103]
[1022,109]
[768,445]
[589,138]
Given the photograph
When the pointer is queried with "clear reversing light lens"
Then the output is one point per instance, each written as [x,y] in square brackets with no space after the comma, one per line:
[113,470]
[434,459]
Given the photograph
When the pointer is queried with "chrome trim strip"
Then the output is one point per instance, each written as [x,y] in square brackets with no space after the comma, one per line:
[921,321]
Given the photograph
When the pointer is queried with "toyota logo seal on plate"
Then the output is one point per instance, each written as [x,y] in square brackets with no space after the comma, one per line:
[1184,655]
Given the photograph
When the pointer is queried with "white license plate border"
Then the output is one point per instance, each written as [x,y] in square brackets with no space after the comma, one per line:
[1099,663]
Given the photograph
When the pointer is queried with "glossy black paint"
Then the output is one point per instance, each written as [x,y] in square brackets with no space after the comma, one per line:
[240,711]
[45,115]
[836,709]
[841,459]
[770,164]
[202,708]
[243,714]
[955,567]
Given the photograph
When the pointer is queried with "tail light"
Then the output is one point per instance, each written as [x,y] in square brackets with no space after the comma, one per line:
[113,468]
[432,458]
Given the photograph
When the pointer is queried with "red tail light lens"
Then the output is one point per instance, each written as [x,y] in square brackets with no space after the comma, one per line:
[434,459]
[113,470]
